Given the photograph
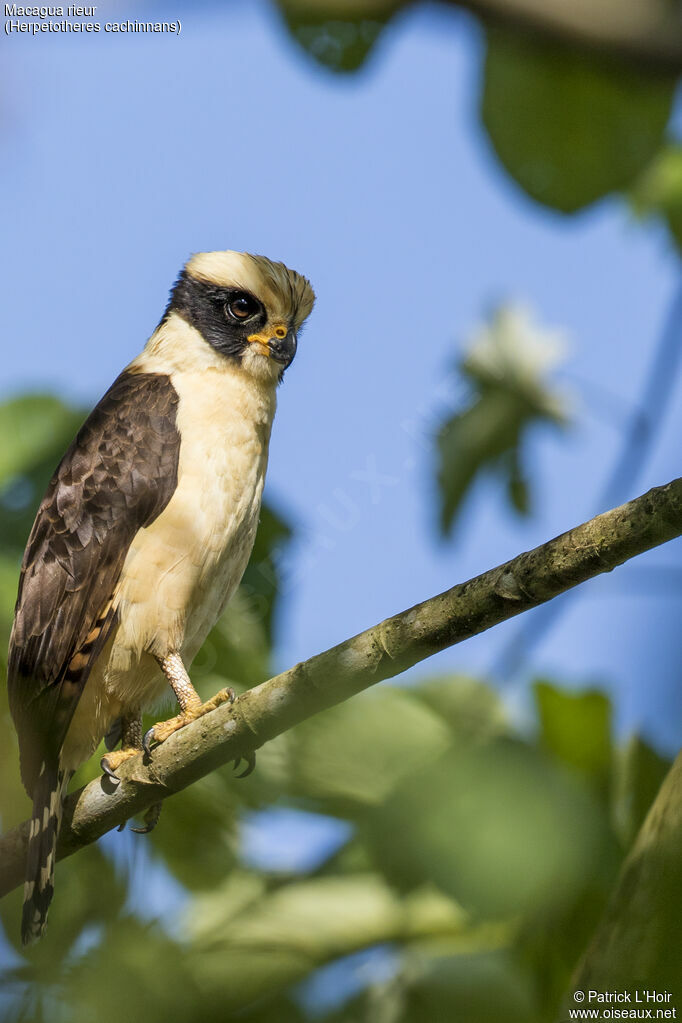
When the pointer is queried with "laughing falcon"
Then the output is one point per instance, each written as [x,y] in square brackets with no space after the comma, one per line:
[144,534]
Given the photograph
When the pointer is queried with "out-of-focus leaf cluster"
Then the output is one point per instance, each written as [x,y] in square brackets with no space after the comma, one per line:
[505,365]
[658,190]
[338,36]
[570,127]
[478,855]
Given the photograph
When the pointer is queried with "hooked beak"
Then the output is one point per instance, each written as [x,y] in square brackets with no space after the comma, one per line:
[281,349]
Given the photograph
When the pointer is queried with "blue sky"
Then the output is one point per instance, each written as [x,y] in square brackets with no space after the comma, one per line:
[125,154]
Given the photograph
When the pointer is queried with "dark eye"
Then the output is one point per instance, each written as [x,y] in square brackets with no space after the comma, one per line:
[242,306]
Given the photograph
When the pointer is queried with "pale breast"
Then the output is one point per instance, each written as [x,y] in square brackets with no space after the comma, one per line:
[182,569]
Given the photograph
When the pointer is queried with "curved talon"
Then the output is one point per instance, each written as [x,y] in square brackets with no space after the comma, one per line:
[108,771]
[151,819]
[148,740]
[250,759]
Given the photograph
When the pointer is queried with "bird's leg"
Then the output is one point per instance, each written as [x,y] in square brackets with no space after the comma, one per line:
[131,745]
[191,706]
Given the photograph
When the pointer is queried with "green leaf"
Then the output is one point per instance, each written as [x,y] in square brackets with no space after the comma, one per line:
[136,971]
[261,581]
[196,836]
[33,427]
[485,988]
[473,710]
[640,771]
[36,430]
[281,937]
[90,893]
[331,35]
[517,485]
[569,127]
[353,755]
[496,826]
[659,190]
[506,368]
[576,728]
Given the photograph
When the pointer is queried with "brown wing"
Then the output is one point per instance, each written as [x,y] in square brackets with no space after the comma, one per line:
[117,476]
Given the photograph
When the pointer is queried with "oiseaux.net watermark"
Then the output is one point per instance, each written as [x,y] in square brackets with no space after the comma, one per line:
[643,1003]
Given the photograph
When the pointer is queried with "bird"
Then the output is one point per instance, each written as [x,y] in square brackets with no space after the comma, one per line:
[143,536]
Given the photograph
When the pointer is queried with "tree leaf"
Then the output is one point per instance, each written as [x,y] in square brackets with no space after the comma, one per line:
[197,834]
[353,755]
[659,189]
[36,430]
[91,895]
[473,710]
[337,35]
[296,928]
[484,988]
[33,427]
[261,580]
[640,771]
[494,825]
[506,368]
[569,127]
[576,728]
[136,964]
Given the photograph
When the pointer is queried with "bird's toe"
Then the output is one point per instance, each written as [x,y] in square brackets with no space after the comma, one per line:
[148,739]
[250,759]
[108,770]
[111,762]
[151,819]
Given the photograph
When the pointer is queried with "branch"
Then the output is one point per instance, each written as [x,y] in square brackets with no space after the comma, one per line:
[638,437]
[648,32]
[379,653]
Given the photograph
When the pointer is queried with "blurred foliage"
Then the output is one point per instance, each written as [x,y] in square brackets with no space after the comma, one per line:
[659,189]
[505,365]
[568,127]
[479,854]
[576,728]
[332,38]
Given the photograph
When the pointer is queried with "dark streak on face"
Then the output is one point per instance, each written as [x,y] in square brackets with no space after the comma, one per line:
[205,307]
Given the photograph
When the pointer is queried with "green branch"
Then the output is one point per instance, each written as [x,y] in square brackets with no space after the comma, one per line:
[379,653]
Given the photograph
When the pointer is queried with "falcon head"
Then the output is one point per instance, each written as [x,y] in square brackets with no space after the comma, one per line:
[246,307]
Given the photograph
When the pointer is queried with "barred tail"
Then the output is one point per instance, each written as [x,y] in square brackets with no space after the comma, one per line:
[48,802]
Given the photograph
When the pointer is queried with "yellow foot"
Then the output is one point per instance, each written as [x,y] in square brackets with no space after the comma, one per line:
[160,731]
[112,761]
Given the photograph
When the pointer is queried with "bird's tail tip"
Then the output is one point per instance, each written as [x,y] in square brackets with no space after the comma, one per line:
[48,801]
